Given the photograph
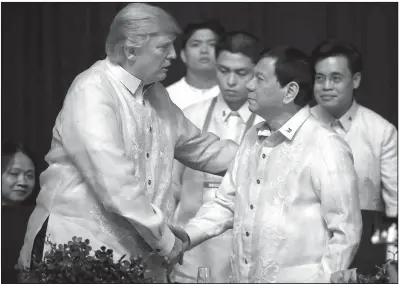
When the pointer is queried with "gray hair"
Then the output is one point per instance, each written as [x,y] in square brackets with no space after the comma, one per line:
[133,26]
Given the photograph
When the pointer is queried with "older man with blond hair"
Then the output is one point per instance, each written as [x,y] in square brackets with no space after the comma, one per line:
[113,146]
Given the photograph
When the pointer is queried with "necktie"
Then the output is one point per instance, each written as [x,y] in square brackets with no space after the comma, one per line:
[337,127]
[234,126]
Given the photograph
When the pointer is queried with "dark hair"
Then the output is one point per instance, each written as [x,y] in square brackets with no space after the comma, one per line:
[191,28]
[8,150]
[335,47]
[292,65]
[239,42]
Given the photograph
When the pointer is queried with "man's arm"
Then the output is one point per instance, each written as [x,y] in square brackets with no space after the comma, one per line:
[216,216]
[201,151]
[91,136]
[389,170]
[335,180]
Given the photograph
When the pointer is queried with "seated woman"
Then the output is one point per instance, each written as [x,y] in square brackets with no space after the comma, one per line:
[18,180]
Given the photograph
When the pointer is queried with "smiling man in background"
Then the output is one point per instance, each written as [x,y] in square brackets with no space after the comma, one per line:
[373,140]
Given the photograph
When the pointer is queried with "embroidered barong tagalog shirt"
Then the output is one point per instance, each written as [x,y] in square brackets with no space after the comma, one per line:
[374,142]
[110,165]
[292,201]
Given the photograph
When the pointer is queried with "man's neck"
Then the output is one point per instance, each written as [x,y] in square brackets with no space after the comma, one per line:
[235,106]
[338,113]
[201,80]
[278,118]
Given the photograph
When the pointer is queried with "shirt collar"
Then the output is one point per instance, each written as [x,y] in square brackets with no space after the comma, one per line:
[347,119]
[128,80]
[223,110]
[294,123]
[290,127]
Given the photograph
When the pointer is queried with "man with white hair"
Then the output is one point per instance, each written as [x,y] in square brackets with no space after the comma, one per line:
[113,146]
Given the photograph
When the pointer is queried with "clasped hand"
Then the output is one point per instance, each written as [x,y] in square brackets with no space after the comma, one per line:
[182,242]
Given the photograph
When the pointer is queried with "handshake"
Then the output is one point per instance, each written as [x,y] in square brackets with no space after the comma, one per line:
[182,243]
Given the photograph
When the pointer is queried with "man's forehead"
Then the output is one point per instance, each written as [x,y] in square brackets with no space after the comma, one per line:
[237,59]
[333,63]
[165,37]
[203,34]
[265,65]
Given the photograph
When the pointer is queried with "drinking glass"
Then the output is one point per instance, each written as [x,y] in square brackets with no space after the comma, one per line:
[204,275]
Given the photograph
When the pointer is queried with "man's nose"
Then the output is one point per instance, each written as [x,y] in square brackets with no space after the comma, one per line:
[172,53]
[231,79]
[250,85]
[204,48]
[327,85]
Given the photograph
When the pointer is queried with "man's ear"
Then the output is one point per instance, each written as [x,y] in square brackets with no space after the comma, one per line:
[357,77]
[292,90]
[183,56]
[130,52]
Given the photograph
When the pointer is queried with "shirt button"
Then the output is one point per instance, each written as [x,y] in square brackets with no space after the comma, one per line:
[258,181]
[252,207]
[148,155]
[246,261]
[149,182]
[263,156]
[247,234]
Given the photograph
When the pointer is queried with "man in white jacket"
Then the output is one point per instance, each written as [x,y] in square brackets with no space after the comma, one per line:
[372,139]
[113,146]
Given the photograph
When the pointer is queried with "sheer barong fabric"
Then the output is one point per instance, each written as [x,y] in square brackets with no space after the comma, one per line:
[110,166]
[292,202]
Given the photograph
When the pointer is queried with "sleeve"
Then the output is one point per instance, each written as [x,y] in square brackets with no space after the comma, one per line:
[92,137]
[216,216]
[177,183]
[201,151]
[336,183]
[389,171]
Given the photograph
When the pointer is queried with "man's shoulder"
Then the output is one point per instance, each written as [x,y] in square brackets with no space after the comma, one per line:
[176,86]
[371,117]
[197,110]
[318,131]
[198,105]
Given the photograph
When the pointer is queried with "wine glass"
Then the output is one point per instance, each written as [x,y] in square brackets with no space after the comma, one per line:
[204,275]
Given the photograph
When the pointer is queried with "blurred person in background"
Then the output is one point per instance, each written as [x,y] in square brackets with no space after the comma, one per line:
[198,54]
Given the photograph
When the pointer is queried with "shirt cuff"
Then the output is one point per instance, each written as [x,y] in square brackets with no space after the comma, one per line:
[165,245]
[391,212]
[195,234]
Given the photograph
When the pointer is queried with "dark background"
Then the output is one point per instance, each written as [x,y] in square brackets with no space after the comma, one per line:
[45,45]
